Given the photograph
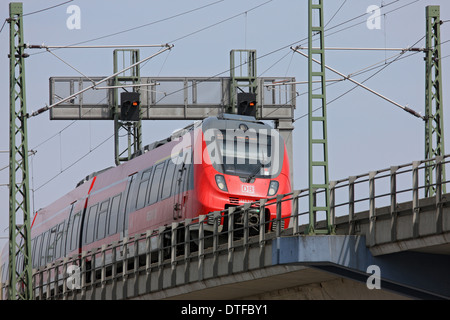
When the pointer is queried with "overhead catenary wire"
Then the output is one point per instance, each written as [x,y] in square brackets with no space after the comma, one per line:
[110,46]
[407,109]
[298,41]
[143,25]
[247,11]
[46,108]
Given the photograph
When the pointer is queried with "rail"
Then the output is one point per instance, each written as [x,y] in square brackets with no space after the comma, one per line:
[187,242]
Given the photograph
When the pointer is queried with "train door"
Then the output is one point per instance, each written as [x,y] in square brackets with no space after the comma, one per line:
[180,198]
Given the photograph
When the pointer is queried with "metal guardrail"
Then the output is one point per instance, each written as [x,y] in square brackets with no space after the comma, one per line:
[157,249]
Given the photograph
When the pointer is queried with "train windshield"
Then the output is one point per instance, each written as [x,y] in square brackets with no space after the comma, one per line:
[249,154]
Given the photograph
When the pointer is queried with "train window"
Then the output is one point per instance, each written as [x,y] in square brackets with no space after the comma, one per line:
[142,192]
[59,240]
[51,244]
[167,181]
[73,228]
[188,178]
[114,213]
[154,186]
[177,175]
[90,224]
[35,256]
[43,256]
[101,220]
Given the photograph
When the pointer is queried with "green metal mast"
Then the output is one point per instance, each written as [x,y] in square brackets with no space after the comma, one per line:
[319,193]
[133,129]
[434,126]
[242,74]
[20,277]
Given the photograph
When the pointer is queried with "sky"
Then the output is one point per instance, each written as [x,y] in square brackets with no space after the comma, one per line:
[365,132]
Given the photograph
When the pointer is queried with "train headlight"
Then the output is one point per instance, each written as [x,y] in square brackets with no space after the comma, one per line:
[220,181]
[273,188]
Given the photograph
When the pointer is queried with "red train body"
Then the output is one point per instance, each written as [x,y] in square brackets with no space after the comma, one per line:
[208,166]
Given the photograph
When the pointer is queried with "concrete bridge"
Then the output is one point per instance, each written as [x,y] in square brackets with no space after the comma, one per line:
[390,242]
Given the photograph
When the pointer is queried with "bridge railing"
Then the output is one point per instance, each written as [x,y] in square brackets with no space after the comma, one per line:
[186,242]
[388,189]
[219,233]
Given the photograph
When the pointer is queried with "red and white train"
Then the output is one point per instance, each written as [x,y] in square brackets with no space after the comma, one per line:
[208,166]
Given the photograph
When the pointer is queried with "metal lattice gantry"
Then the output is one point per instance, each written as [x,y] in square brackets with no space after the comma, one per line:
[133,128]
[319,193]
[20,272]
[242,74]
[434,126]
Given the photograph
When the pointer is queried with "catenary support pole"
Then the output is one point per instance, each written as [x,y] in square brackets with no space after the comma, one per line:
[20,277]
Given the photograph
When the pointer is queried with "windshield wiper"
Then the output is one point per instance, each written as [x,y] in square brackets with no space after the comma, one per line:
[253,174]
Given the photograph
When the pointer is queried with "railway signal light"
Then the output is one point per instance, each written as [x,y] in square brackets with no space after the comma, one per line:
[129,106]
[246,104]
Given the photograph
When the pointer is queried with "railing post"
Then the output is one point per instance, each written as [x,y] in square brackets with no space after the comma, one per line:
[160,256]
[103,273]
[278,219]
[416,207]
[372,211]
[351,205]
[83,275]
[246,208]
[93,286]
[230,238]
[393,210]
[55,280]
[136,265]
[332,206]
[439,188]
[187,249]
[114,271]
[262,231]
[173,255]
[41,283]
[49,281]
[201,246]
[148,260]
[64,277]
[217,216]
[294,212]
[125,268]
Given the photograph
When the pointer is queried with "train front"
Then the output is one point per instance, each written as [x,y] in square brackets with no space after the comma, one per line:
[242,161]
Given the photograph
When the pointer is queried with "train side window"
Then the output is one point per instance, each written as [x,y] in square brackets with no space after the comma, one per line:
[37,247]
[153,194]
[43,255]
[167,181]
[90,224]
[114,214]
[73,228]
[51,245]
[59,240]
[101,220]
[142,191]
[178,174]
[188,178]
